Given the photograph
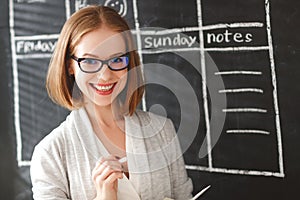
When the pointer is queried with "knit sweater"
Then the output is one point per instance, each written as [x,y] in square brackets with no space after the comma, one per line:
[63,161]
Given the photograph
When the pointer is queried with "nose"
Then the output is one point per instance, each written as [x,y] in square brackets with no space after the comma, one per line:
[105,73]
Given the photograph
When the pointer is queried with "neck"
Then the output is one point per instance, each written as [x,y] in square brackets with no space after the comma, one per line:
[106,116]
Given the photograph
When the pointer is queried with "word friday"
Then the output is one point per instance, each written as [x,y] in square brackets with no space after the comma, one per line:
[35,46]
[177,40]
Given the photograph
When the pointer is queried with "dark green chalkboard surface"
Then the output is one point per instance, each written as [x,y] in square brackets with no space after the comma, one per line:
[225,72]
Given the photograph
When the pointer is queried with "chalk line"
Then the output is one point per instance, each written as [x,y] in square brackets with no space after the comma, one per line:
[139,47]
[67,8]
[204,83]
[201,192]
[202,28]
[235,171]
[37,37]
[37,56]
[14,38]
[241,48]
[154,51]
[24,163]
[248,131]
[240,110]
[15,83]
[234,25]
[242,90]
[31,1]
[238,72]
[275,99]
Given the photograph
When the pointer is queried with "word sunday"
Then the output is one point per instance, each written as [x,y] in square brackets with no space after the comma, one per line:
[35,46]
[177,40]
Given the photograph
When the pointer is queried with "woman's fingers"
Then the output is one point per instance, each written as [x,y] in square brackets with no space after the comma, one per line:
[105,159]
[104,171]
[105,176]
[108,163]
[105,167]
[112,178]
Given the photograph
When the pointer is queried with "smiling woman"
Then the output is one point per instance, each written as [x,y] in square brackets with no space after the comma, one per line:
[75,37]
[96,78]
[103,150]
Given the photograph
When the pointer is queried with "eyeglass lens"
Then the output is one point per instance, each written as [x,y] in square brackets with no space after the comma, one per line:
[93,65]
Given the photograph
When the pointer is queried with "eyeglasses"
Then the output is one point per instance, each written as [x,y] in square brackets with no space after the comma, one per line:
[92,65]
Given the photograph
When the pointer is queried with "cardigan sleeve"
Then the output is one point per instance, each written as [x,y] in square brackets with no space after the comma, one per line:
[48,176]
[182,184]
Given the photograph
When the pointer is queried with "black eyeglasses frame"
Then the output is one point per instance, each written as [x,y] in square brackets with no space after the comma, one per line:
[78,60]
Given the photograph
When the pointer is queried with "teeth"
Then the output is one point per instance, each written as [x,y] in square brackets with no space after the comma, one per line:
[103,88]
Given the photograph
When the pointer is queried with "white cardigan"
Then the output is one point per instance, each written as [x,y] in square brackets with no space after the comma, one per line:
[62,162]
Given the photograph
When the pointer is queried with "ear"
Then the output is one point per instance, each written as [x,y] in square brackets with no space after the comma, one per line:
[70,70]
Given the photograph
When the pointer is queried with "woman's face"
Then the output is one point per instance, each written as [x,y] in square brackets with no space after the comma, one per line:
[99,88]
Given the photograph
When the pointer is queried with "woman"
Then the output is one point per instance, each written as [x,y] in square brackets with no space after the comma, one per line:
[95,73]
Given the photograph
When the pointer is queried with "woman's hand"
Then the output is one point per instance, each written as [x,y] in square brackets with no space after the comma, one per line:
[105,177]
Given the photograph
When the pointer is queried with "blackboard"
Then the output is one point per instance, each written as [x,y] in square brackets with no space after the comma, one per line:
[239,59]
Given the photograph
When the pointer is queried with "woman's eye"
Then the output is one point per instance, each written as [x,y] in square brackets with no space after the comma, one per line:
[117,60]
[90,61]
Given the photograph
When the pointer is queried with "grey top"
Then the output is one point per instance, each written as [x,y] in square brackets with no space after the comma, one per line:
[63,161]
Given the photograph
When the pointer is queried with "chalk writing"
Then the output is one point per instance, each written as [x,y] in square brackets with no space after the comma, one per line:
[228,36]
[118,5]
[35,46]
[222,38]
[169,41]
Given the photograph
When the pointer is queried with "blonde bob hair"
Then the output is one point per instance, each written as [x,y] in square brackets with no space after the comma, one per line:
[62,87]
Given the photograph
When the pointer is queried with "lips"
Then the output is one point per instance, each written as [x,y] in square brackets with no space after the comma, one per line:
[104,89]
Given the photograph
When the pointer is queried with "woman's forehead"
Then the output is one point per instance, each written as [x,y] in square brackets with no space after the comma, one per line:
[101,42]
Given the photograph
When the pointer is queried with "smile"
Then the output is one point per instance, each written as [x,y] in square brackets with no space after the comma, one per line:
[104,89]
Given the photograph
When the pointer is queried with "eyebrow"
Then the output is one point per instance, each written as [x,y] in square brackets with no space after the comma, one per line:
[111,56]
